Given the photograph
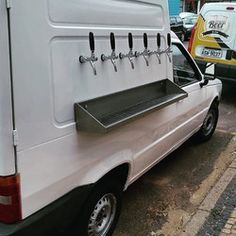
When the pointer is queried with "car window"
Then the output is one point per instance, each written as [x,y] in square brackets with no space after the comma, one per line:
[183,69]
[179,20]
[190,20]
[172,20]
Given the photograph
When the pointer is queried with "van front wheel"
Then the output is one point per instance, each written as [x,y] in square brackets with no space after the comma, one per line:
[209,124]
[101,211]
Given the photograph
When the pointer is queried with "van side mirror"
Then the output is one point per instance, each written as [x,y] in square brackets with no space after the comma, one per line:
[209,74]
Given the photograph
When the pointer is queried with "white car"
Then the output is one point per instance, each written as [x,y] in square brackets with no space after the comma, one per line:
[188,24]
[186,14]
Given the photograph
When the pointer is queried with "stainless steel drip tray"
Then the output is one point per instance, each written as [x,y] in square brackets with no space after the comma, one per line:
[104,113]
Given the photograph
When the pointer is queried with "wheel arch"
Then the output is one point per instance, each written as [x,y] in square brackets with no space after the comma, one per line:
[215,101]
[120,173]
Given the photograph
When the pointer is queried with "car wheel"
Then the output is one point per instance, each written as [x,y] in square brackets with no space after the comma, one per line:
[101,211]
[209,124]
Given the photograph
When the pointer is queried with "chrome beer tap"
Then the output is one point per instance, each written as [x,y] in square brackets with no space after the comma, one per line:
[168,49]
[158,52]
[113,57]
[130,55]
[145,53]
[92,59]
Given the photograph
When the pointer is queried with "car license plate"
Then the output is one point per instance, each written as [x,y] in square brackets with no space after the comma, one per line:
[215,53]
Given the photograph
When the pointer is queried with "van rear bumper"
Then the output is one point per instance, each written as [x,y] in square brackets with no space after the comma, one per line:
[58,218]
[222,71]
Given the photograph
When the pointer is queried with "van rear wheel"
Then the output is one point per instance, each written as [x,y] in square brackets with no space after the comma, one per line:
[101,211]
[209,124]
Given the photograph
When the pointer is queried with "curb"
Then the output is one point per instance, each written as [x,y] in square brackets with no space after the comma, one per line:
[195,223]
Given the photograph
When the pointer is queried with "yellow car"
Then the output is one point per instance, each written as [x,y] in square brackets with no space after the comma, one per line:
[213,39]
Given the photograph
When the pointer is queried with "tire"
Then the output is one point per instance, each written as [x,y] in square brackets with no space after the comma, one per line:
[209,124]
[101,211]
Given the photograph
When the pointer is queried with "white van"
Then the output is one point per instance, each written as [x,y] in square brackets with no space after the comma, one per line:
[214,39]
[92,96]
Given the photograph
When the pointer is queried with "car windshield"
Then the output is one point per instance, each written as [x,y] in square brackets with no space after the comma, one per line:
[190,20]
[186,14]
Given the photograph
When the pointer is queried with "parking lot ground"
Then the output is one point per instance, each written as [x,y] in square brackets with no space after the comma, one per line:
[216,216]
[166,197]
[227,119]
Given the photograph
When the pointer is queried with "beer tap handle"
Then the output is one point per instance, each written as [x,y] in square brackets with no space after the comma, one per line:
[112,41]
[92,59]
[130,39]
[91,42]
[145,53]
[145,40]
[168,49]
[158,40]
[158,52]
[168,39]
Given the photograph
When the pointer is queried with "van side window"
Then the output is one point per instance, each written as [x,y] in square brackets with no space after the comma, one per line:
[183,70]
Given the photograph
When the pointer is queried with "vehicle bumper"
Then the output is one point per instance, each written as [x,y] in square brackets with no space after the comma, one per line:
[222,71]
[59,218]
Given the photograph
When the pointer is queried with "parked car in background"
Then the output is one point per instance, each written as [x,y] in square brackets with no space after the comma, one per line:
[188,24]
[186,14]
[213,39]
[177,26]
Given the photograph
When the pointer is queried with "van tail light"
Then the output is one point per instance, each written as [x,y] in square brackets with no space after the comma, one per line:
[190,44]
[10,200]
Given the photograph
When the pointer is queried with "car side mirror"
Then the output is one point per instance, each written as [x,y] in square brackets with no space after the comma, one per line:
[210,70]
[209,74]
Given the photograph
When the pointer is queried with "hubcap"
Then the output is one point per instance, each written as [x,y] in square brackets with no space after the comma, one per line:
[209,123]
[102,216]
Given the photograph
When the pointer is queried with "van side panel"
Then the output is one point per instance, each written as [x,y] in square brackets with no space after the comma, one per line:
[7,160]
[48,66]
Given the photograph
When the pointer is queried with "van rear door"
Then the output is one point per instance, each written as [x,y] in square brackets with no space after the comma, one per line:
[215,37]
[7,160]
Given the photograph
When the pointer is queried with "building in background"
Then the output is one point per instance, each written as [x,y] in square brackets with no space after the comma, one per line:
[175,7]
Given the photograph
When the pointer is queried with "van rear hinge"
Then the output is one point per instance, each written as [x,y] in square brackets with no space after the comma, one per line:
[9,4]
[15,137]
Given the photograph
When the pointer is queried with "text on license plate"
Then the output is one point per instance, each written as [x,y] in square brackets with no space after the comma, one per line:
[212,53]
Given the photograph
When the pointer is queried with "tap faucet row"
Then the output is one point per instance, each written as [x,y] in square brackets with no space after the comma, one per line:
[130,55]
